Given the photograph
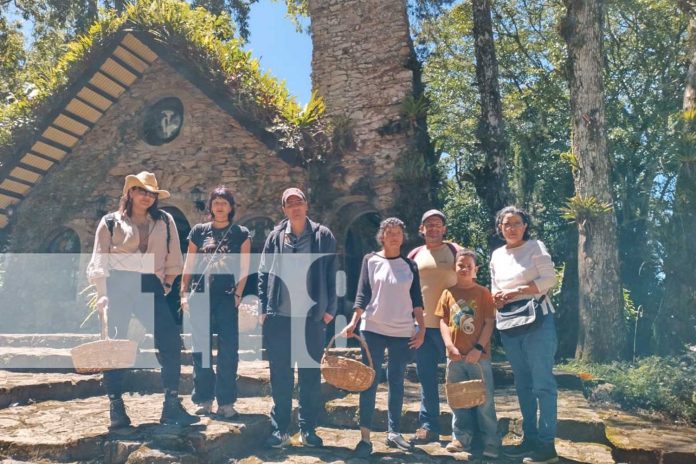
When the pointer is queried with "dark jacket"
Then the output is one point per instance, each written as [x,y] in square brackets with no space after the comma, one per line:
[321,279]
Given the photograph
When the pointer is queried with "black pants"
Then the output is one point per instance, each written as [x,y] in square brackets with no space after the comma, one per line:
[282,355]
[208,385]
[127,292]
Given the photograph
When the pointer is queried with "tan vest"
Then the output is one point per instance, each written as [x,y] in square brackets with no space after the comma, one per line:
[436,269]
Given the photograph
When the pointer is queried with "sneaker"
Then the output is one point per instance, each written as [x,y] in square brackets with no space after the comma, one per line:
[173,413]
[118,415]
[424,436]
[311,439]
[278,440]
[226,411]
[456,446]
[397,441]
[544,454]
[523,449]
[362,450]
[491,452]
[204,408]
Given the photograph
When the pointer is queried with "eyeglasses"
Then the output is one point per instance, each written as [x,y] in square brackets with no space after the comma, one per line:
[147,193]
[512,225]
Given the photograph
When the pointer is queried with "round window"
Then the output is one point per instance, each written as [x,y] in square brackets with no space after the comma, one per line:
[163,121]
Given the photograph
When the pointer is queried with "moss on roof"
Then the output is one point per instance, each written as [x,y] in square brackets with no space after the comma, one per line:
[203,40]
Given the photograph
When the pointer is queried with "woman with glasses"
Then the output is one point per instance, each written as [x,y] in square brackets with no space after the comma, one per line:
[522,269]
[136,257]
[388,301]
[223,248]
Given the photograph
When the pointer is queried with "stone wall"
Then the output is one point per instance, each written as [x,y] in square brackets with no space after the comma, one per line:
[361,52]
[211,149]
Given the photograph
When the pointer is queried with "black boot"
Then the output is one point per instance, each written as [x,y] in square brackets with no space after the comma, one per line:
[173,413]
[117,412]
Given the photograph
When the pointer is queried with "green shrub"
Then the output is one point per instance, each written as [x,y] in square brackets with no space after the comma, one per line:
[664,385]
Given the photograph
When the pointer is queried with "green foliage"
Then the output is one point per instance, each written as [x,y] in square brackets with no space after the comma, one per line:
[630,310]
[205,39]
[580,209]
[660,384]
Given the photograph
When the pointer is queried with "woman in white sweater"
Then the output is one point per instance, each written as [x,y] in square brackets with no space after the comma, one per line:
[522,269]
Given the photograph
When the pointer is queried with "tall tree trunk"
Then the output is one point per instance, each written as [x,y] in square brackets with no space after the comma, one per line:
[601,334]
[491,180]
[675,322]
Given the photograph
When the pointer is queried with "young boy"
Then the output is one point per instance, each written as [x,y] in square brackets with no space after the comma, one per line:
[467,319]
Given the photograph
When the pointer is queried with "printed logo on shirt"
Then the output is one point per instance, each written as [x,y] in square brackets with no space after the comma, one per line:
[462,317]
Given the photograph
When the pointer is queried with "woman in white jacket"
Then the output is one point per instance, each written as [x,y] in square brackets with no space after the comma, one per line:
[522,269]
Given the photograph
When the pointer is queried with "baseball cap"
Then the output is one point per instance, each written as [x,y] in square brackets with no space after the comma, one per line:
[293,192]
[431,213]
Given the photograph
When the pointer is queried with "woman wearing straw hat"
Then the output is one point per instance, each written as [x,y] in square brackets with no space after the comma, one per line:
[136,252]
[388,298]
[226,248]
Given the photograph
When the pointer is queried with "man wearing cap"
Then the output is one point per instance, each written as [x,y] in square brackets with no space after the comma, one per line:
[435,261]
[288,247]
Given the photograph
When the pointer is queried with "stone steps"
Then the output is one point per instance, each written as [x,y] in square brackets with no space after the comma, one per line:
[577,421]
[339,443]
[76,430]
[42,359]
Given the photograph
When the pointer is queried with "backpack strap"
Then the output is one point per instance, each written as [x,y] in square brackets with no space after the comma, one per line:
[452,248]
[165,218]
[415,251]
[110,221]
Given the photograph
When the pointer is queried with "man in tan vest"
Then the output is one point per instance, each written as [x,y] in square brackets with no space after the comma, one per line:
[435,262]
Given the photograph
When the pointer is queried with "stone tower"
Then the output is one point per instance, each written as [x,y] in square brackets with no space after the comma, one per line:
[363,65]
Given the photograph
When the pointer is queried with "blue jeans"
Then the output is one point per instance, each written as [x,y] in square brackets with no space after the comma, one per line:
[431,352]
[399,356]
[463,420]
[206,383]
[531,355]
[277,332]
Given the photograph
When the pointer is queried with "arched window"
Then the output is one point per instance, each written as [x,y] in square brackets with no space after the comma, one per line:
[259,228]
[65,240]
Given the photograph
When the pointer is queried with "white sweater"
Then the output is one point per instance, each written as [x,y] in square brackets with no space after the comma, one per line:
[530,262]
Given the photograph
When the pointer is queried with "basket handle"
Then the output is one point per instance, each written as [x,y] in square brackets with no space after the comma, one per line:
[362,343]
[447,371]
[105,323]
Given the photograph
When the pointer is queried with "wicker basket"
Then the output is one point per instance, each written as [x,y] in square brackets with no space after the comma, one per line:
[248,317]
[467,394]
[345,373]
[104,355]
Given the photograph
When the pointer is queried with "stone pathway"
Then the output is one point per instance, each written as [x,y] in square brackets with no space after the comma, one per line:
[62,417]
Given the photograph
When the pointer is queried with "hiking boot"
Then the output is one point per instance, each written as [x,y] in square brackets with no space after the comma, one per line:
[311,439]
[543,454]
[278,440]
[226,411]
[204,408]
[173,413]
[424,436]
[395,440]
[117,413]
[362,450]
[525,448]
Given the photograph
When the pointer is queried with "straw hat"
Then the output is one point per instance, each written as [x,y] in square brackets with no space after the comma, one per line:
[145,180]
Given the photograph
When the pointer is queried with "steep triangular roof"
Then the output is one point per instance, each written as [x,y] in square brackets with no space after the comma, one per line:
[101,67]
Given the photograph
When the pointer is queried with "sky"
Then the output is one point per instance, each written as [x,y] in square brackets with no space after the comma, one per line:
[284,52]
